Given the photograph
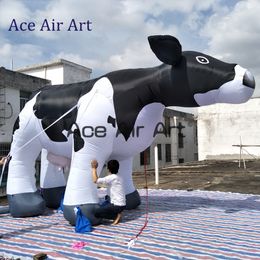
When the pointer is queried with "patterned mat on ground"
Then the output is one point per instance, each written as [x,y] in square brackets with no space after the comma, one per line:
[182,225]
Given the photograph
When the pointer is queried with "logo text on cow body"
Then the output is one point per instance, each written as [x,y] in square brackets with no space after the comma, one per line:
[101,131]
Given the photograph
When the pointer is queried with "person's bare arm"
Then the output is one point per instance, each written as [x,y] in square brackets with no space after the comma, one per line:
[94,165]
[2,161]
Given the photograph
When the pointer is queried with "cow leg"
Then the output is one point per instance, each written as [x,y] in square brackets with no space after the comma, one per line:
[52,182]
[132,196]
[93,139]
[23,197]
[80,190]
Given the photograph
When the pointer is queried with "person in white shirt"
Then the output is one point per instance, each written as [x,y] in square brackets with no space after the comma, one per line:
[114,184]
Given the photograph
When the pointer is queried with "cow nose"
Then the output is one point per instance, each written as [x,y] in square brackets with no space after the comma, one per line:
[248,80]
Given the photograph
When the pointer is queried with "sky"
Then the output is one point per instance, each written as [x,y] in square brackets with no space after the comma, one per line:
[117,31]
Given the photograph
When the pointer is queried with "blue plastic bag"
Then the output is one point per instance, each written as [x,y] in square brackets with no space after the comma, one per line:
[82,223]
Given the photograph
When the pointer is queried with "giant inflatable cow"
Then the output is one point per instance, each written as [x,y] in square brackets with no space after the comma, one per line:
[103,113]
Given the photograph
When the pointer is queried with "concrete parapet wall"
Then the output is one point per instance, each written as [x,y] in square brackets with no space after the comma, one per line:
[16,80]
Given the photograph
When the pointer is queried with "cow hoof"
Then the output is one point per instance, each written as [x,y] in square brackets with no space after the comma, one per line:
[88,211]
[26,204]
[133,200]
[53,196]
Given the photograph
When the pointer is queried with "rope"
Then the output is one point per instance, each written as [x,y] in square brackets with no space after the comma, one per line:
[57,120]
[8,156]
[132,241]
[46,128]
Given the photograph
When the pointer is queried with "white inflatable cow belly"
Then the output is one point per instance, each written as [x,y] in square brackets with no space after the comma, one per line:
[142,135]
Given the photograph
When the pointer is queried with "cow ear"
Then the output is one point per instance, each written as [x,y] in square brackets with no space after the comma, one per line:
[166,48]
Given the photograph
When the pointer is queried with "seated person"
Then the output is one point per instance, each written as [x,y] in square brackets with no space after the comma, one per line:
[114,208]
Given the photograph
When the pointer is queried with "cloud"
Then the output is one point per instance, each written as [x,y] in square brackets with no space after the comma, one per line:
[12,9]
[128,58]
[234,35]
[18,55]
[119,30]
[156,7]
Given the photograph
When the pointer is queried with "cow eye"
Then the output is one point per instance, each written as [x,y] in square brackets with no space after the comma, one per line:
[202,60]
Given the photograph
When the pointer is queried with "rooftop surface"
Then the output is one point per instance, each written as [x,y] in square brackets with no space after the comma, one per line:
[53,63]
[206,175]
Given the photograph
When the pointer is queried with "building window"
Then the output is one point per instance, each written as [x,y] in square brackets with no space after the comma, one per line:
[167,124]
[24,97]
[168,154]
[145,157]
[159,146]
[180,140]
[196,135]
[180,135]
[4,149]
[181,160]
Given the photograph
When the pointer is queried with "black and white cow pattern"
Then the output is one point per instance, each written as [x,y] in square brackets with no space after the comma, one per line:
[117,102]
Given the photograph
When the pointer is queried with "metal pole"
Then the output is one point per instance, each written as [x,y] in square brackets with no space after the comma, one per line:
[156,165]
[240,153]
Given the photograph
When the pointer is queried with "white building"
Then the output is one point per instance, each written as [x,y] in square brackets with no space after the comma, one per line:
[222,126]
[15,90]
[58,71]
[178,145]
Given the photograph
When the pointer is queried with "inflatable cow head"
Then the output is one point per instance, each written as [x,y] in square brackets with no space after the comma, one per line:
[198,79]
